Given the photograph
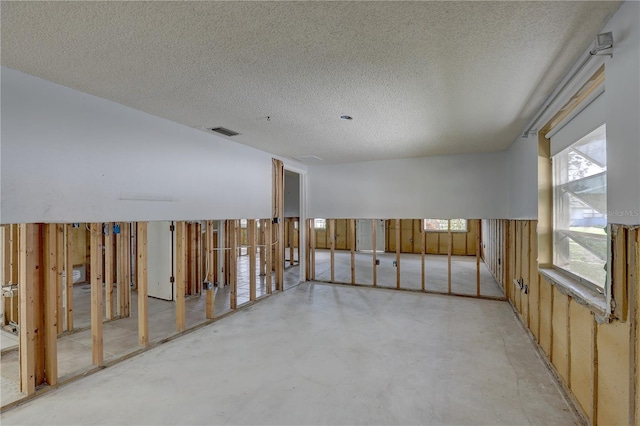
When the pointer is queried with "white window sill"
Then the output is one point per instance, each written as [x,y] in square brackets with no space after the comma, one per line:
[581,294]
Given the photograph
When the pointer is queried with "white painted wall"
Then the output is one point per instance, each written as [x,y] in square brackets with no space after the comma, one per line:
[69,156]
[621,109]
[622,99]
[453,186]
[522,179]
[291,194]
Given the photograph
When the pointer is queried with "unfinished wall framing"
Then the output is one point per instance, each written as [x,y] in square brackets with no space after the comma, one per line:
[414,241]
[36,258]
[597,362]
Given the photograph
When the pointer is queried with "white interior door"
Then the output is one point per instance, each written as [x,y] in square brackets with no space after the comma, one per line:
[365,237]
[159,260]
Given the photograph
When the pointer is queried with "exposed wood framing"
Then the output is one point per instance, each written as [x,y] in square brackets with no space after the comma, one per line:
[30,314]
[619,275]
[181,273]
[123,292]
[311,261]
[108,271]
[12,240]
[352,232]
[97,344]
[211,255]
[233,264]
[141,270]
[59,265]
[263,227]
[375,252]
[309,231]
[51,264]
[564,327]
[398,249]
[478,239]
[423,249]
[68,267]
[251,228]
[292,260]
[269,251]
[633,280]
[332,245]
[278,214]
[449,247]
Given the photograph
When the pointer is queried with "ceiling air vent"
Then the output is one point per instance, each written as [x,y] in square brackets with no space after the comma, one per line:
[224,131]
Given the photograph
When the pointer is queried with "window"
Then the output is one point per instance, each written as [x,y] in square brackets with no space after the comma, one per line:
[243,223]
[580,208]
[442,225]
[320,224]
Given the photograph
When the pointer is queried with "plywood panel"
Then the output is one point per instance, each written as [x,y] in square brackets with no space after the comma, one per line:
[341,234]
[613,373]
[581,322]
[433,242]
[321,239]
[545,315]
[406,235]
[459,243]
[443,243]
[559,325]
[472,226]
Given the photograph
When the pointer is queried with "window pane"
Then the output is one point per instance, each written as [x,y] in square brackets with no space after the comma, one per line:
[580,207]
[320,223]
[442,225]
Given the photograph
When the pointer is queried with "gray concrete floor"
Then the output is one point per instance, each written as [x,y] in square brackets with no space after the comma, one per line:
[121,335]
[463,272]
[324,354]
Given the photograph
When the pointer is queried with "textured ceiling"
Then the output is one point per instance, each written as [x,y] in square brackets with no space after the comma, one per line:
[419,78]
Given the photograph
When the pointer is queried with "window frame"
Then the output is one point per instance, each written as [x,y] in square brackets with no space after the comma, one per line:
[453,231]
[318,221]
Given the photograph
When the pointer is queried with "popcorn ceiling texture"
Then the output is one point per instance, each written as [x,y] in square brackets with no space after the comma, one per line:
[419,78]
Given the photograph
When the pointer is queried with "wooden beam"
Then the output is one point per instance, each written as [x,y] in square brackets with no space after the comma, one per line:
[352,232]
[262,233]
[192,263]
[108,271]
[268,234]
[634,360]
[398,248]
[210,294]
[198,279]
[619,276]
[141,270]
[297,234]
[251,236]
[233,226]
[29,284]
[59,250]
[308,230]
[422,254]
[51,304]
[332,246]
[478,238]
[125,285]
[292,261]
[181,273]
[449,244]
[68,267]
[375,252]
[97,344]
